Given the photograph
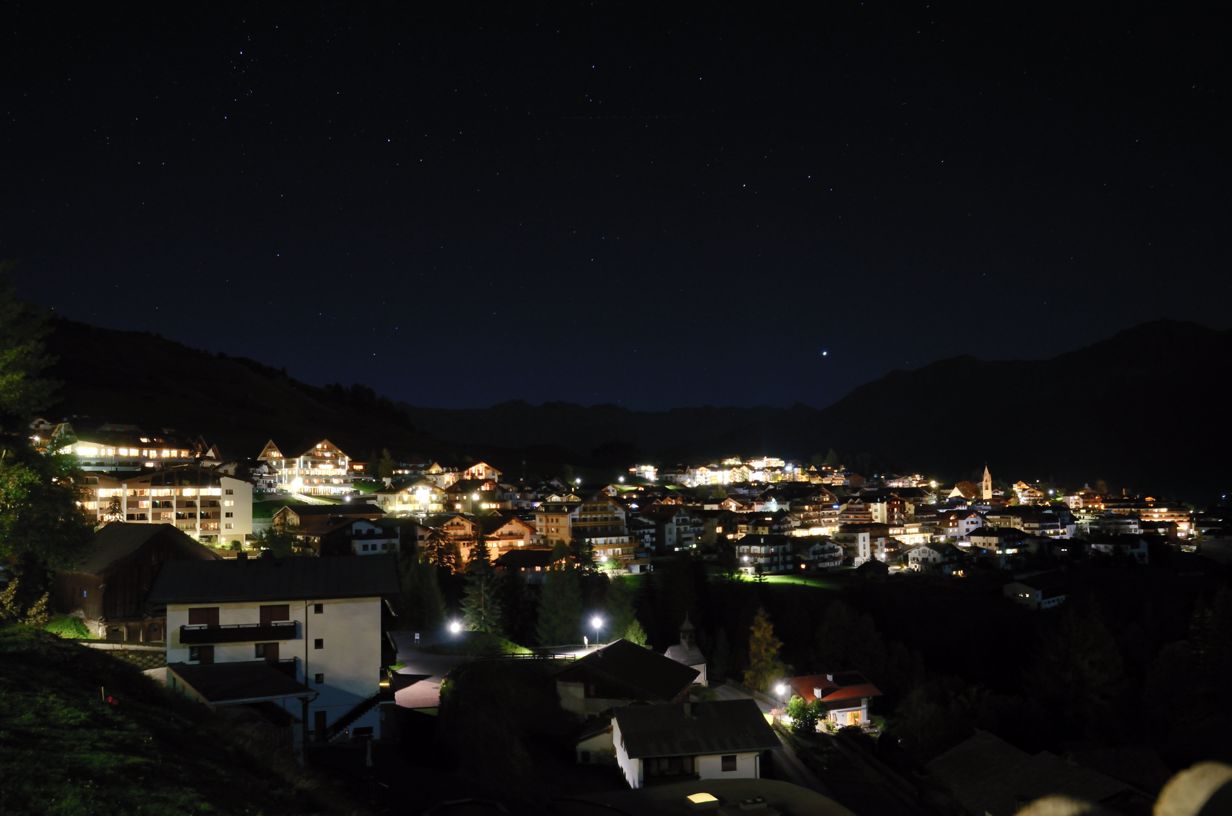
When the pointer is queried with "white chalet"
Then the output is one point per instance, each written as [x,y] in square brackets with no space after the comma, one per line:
[723,739]
[304,634]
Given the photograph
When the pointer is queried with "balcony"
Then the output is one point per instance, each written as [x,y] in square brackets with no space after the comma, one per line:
[194,634]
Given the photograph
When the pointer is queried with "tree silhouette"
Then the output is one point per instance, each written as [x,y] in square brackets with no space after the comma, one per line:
[560,608]
[764,663]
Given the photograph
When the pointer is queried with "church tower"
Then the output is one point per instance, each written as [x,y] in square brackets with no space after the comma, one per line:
[986,485]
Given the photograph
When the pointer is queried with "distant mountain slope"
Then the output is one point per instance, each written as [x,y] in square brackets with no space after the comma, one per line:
[1147,407]
[1144,408]
[144,379]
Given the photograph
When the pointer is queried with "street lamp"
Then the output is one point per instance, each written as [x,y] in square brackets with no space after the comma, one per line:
[596,623]
[455,627]
[781,690]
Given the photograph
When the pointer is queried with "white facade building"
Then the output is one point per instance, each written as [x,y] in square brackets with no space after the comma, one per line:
[210,507]
[714,740]
[316,621]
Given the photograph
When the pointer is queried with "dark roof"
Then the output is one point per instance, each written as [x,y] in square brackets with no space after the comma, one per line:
[344,509]
[261,579]
[525,559]
[626,671]
[231,682]
[692,729]
[988,775]
[491,523]
[121,539]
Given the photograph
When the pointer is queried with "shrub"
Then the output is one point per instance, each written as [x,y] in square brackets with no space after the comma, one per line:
[67,626]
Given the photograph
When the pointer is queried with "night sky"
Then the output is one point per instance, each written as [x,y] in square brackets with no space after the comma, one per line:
[645,206]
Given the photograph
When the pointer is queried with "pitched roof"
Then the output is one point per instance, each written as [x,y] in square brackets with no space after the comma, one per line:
[121,539]
[245,680]
[624,670]
[835,688]
[340,510]
[490,524]
[692,729]
[988,775]
[269,579]
[525,559]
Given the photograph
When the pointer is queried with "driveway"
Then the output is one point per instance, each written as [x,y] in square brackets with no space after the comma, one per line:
[430,669]
[787,766]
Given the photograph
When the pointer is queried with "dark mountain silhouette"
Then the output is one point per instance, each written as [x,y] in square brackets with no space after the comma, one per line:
[1144,409]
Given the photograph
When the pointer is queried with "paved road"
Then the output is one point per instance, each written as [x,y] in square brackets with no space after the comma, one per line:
[431,668]
[787,764]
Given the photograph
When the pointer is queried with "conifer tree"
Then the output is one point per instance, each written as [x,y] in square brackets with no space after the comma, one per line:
[481,600]
[41,526]
[764,663]
[560,609]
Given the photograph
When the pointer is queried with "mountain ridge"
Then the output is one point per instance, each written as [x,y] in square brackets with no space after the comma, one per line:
[1114,398]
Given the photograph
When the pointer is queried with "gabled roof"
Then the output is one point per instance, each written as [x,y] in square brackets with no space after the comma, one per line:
[988,775]
[626,671]
[344,510]
[120,539]
[490,524]
[835,688]
[525,559]
[694,729]
[270,579]
[233,682]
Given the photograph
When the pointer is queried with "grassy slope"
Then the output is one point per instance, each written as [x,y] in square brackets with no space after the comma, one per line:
[65,752]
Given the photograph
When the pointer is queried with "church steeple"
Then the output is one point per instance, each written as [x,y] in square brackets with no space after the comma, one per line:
[986,485]
[687,638]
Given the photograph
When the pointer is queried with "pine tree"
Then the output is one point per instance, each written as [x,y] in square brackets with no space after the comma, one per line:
[583,553]
[422,607]
[442,552]
[41,526]
[621,612]
[481,601]
[385,467]
[764,663]
[560,608]
[634,633]
[23,359]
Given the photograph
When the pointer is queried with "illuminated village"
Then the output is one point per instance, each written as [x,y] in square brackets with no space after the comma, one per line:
[339,596]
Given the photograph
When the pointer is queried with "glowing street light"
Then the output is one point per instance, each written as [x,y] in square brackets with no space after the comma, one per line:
[596,623]
[781,689]
[455,627]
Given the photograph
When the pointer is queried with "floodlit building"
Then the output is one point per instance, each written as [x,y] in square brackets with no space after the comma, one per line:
[201,502]
[115,447]
[321,470]
[844,696]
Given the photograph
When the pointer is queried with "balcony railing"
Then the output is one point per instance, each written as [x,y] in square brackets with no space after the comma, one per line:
[193,634]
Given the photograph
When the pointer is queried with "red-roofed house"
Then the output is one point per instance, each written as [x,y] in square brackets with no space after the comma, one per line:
[843,695]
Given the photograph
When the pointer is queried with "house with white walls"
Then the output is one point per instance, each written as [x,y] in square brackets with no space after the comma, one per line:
[844,696]
[303,634]
[723,739]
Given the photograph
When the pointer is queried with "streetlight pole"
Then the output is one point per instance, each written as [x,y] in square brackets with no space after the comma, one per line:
[596,623]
